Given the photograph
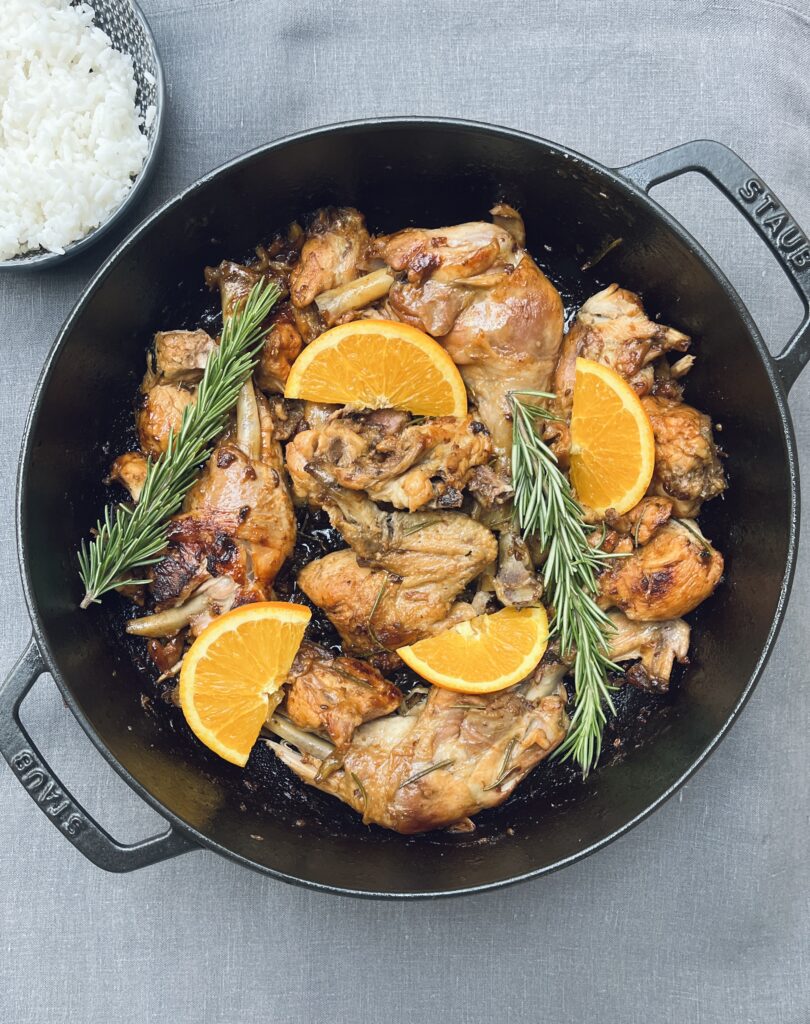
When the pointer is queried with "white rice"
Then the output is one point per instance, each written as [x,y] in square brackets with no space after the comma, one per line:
[70,133]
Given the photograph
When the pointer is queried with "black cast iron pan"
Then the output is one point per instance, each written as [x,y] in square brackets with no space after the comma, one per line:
[398,172]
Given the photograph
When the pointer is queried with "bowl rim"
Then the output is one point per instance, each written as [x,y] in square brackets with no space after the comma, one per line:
[617,179]
[38,259]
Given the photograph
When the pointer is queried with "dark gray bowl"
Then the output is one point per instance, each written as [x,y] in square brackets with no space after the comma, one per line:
[124,23]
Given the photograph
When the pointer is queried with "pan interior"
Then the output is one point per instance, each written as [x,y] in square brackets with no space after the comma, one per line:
[399,174]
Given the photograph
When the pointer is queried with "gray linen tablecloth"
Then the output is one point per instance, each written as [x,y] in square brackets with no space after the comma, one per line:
[701,914]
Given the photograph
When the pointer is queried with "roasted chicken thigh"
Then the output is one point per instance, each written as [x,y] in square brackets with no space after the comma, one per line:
[666,578]
[450,757]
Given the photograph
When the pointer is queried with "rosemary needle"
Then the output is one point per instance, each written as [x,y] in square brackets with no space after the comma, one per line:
[544,506]
[132,538]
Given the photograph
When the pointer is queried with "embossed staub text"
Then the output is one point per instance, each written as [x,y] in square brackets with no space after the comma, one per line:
[42,786]
[776,222]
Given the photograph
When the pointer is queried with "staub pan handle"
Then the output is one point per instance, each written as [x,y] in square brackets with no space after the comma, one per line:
[54,799]
[760,207]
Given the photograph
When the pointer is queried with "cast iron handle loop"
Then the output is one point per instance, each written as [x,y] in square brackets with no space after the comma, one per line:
[54,799]
[760,207]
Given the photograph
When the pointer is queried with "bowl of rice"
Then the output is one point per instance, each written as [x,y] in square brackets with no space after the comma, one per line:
[81,117]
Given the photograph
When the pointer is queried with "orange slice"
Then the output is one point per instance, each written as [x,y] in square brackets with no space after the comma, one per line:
[484,654]
[612,442]
[232,667]
[379,364]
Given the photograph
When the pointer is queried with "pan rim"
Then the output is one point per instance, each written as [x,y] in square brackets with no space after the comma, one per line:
[426,123]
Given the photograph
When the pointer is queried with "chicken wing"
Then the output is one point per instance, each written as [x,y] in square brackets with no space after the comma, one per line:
[406,464]
[400,581]
[334,695]
[452,756]
[687,466]
[665,578]
[612,328]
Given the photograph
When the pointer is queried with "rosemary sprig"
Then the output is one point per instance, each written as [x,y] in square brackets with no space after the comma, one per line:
[506,767]
[545,506]
[426,771]
[131,538]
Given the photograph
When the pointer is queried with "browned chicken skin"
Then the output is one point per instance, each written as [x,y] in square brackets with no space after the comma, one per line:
[392,460]
[612,328]
[507,339]
[283,341]
[280,350]
[666,578]
[449,758]
[335,244]
[248,499]
[687,466]
[642,521]
[333,695]
[400,581]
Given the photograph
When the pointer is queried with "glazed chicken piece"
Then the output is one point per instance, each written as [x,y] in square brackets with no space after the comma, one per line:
[334,695]
[400,581]
[687,466]
[657,644]
[612,328]
[236,530]
[622,534]
[666,578]
[452,756]
[167,388]
[335,244]
[409,465]
[500,318]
